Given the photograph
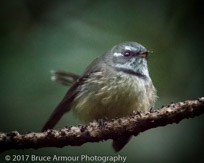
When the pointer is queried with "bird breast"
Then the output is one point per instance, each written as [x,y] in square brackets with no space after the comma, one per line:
[112,96]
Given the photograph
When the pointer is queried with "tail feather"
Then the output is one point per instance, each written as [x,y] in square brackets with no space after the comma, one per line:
[64,78]
[52,121]
[119,143]
[62,108]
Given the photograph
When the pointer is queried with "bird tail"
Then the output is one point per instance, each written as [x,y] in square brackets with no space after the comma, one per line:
[65,78]
[54,118]
[119,143]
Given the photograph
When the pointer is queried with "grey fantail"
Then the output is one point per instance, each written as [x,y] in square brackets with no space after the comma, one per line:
[113,86]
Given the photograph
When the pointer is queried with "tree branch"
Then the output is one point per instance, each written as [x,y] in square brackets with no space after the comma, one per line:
[95,132]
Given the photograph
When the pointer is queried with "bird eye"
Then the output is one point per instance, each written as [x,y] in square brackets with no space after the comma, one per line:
[127,53]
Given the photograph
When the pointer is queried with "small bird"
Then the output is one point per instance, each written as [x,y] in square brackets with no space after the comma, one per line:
[114,85]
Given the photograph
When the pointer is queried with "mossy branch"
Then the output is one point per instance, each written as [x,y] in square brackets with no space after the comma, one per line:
[95,132]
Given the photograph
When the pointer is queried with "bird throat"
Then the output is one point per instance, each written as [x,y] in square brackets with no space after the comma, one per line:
[131,72]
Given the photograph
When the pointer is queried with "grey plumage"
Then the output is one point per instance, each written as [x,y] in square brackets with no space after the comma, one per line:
[113,86]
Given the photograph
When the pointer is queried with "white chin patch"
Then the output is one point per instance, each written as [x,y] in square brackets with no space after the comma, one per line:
[117,54]
[130,48]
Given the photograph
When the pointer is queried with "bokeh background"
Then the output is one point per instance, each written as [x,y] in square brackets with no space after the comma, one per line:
[37,36]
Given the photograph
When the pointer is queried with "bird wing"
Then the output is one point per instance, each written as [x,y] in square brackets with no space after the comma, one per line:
[65,105]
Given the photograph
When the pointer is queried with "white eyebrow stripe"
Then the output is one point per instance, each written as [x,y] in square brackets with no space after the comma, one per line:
[130,48]
[117,54]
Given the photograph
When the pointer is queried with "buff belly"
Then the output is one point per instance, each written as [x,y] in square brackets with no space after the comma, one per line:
[113,97]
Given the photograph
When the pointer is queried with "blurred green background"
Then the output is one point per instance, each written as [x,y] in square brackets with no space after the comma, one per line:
[37,36]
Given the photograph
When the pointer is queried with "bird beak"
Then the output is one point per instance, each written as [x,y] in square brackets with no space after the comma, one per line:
[145,54]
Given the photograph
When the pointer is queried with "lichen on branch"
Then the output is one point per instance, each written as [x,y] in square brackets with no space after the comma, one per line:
[95,132]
